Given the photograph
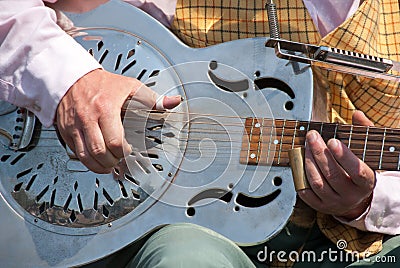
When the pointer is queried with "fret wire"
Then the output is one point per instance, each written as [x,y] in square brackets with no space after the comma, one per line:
[336,128]
[321,128]
[250,138]
[372,136]
[252,128]
[398,163]
[365,144]
[280,146]
[260,140]
[294,133]
[383,146]
[269,143]
[351,132]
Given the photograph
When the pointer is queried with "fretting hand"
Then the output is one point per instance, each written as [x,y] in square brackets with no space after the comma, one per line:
[341,184]
[89,117]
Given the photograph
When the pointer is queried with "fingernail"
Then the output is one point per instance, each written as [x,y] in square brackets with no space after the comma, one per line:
[312,136]
[178,97]
[173,97]
[171,101]
[302,193]
[128,150]
[333,143]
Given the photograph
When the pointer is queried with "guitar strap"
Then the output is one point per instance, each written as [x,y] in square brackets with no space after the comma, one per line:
[371,30]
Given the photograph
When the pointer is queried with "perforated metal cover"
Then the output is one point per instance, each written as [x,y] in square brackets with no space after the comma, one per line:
[58,189]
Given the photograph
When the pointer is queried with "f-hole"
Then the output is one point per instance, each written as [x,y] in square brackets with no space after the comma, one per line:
[224,84]
[270,82]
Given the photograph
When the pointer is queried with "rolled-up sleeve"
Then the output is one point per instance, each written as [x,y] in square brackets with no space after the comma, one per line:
[39,61]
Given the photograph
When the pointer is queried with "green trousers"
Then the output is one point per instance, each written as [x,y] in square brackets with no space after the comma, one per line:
[188,245]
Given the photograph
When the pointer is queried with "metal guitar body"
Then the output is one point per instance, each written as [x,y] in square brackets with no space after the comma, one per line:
[186,163]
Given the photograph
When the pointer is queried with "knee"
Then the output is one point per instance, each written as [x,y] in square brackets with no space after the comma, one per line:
[185,245]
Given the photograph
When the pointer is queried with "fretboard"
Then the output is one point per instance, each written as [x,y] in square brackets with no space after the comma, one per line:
[267,141]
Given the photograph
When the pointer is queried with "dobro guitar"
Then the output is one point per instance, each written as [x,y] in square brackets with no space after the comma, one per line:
[219,159]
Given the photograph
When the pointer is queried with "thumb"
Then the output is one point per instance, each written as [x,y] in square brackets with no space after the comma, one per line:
[152,99]
[360,119]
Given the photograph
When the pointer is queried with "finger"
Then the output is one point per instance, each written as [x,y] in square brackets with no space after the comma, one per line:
[96,147]
[69,142]
[310,198]
[359,172]
[170,102]
[315,177]
[114,137]
[63,132]
[151,99]
[84,156]
[331,172]
[360,119]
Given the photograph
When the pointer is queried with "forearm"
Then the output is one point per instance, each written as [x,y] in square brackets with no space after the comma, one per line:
[39,61]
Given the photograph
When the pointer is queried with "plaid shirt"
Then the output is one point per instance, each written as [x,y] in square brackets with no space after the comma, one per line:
[374,29]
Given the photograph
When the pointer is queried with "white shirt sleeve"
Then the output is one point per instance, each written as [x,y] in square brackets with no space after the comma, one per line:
[39,61]
[383,215]
[161,10]
[329,14]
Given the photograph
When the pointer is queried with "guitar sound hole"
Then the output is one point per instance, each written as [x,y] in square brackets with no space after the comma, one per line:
[190,212]
[105,212]
[256,201]
[5,157]
[23,173]
[17,187]
[289,105]
[277,181]
[123,190]
[270,82]
[128,66]
[73,216]
[103,56]
[16,159]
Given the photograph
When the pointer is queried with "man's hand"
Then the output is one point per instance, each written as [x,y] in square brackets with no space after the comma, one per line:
[89,117]
[341,184]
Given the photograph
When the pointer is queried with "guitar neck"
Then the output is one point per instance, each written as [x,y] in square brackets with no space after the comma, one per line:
[267,141]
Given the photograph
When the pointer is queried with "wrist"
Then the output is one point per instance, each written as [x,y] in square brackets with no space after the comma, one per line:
[358,210]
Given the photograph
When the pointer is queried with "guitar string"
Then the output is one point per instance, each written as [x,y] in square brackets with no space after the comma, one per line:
[373,137]
[244,118]
[356,129]
[356,141]
[203,131]
[284,160]
[207,155]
